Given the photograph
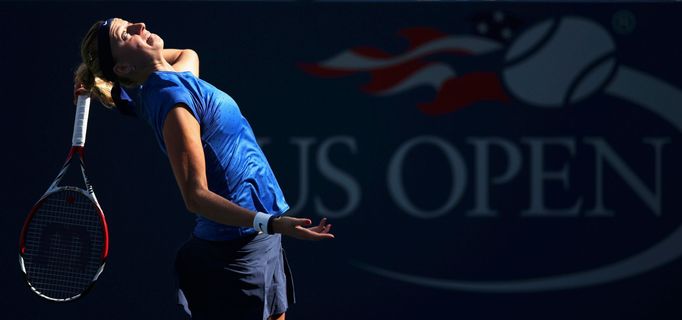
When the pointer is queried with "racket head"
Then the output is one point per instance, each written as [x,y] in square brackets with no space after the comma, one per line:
[64,244]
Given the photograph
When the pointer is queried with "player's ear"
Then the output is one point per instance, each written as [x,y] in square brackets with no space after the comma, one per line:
[122,69]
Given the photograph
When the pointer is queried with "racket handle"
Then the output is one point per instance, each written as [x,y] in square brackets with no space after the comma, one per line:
[80,125]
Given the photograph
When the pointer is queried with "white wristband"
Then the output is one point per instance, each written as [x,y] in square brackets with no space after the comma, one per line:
[260,222]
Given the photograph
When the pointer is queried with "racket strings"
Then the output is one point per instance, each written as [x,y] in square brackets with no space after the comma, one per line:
[64,243]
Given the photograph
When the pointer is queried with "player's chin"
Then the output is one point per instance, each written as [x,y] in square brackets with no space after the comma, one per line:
[157,41]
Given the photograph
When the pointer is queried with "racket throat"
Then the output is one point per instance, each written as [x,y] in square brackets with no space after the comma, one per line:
[76,150]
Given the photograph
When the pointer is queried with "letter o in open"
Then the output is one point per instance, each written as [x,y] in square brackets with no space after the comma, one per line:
[395,179]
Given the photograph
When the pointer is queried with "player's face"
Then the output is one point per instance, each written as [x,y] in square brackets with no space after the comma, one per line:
[132,43]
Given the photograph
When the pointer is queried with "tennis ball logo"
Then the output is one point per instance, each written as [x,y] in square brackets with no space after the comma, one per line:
[558,62]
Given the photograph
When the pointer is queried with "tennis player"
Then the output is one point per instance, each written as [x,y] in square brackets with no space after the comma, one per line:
[233,267]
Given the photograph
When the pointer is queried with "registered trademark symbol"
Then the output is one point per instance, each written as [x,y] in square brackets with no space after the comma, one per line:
[623,22]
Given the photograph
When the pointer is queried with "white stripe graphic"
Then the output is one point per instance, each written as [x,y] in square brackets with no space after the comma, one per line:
[433,75]
[349,60]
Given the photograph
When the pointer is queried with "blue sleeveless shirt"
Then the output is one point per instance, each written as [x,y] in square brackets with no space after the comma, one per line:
[236,167]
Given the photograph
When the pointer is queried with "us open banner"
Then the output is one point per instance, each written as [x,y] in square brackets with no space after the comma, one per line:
[477,160]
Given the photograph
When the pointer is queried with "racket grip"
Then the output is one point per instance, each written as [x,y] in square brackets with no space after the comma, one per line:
[80,125]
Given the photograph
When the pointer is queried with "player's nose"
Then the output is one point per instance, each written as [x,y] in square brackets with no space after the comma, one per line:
[137,28]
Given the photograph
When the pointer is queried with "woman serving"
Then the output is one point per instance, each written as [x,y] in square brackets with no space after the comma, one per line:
[233,266]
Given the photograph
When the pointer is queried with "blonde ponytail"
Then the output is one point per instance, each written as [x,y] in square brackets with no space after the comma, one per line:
[89,71]
[99,88]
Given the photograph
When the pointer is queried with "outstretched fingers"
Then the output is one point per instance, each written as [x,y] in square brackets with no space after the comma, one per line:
[308,234]
[302,222]
[300,228]
[321,227]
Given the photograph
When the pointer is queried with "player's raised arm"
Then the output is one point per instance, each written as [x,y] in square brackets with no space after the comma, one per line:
[183,60]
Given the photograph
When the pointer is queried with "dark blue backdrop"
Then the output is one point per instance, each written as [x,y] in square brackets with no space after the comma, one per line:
[509,235]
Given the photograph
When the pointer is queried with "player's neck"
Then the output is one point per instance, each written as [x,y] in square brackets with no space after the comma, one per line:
[161,65]
[141,76]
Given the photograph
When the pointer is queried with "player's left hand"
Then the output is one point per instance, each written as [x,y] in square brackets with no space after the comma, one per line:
[298,228]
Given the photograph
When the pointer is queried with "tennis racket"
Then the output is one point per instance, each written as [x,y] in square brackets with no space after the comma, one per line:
[64,242]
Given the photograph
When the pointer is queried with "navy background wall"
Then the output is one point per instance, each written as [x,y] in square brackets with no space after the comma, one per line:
[554,202]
